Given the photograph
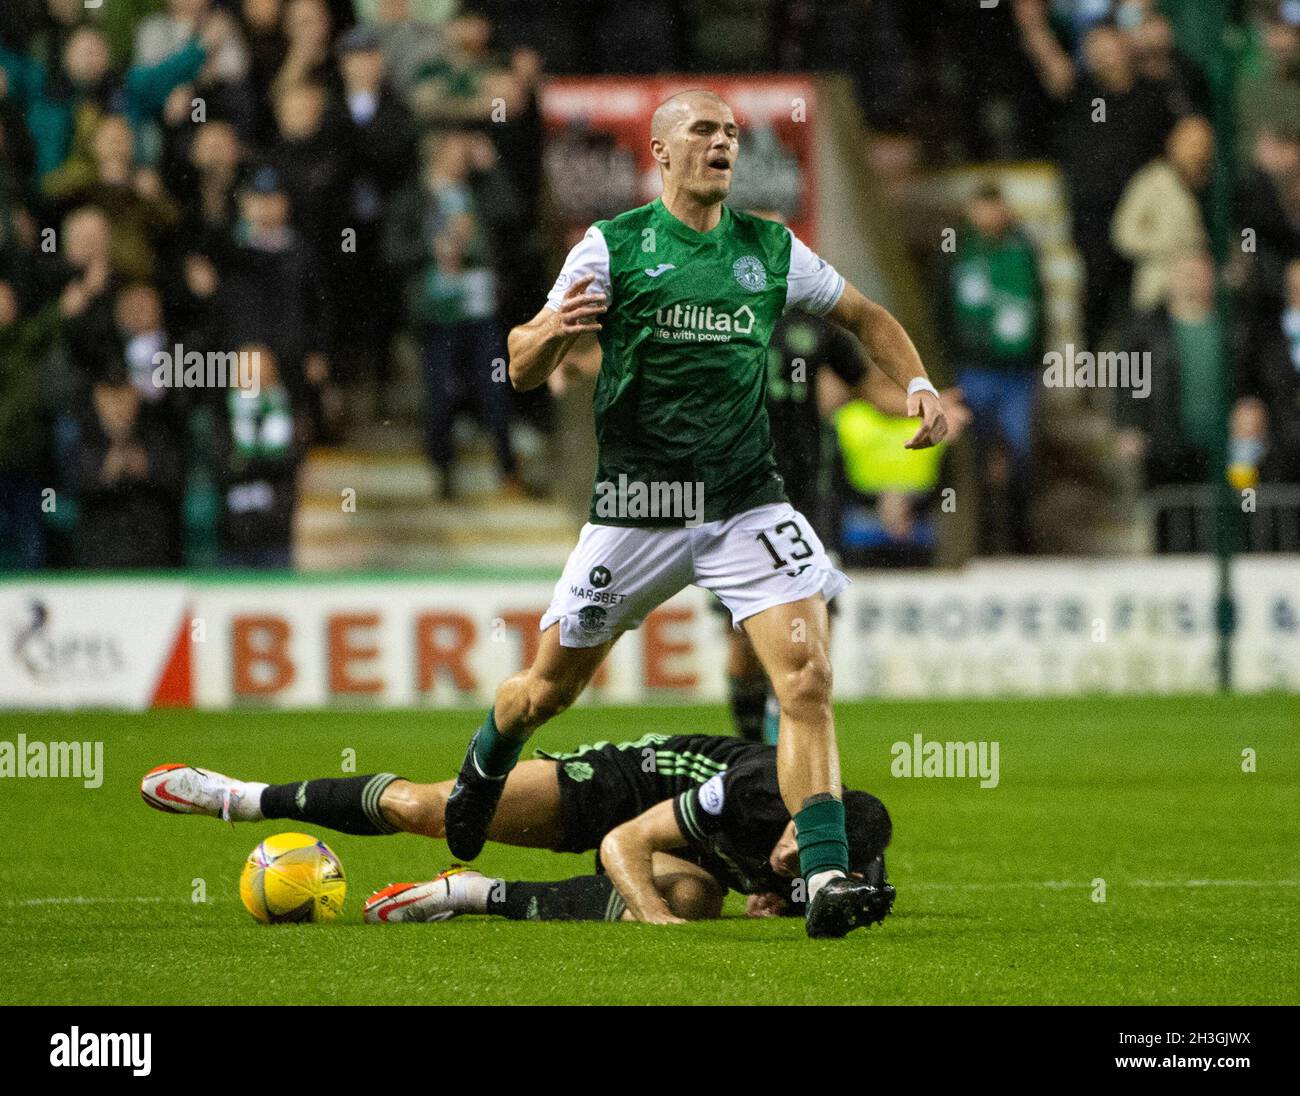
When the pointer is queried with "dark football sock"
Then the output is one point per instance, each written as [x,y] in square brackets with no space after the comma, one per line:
[584,898]
[495,753]
[349,804]
[748,696]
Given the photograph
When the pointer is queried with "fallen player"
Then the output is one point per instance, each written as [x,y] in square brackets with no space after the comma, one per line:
[676,820]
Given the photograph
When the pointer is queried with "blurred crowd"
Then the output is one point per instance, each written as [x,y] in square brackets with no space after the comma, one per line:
[295,181]
[1104,89]
[288,182]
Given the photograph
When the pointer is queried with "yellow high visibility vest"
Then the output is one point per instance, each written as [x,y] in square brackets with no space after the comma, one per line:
[874,457]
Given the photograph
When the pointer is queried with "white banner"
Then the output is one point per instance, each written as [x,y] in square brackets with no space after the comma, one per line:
[1027,628]
[90,643]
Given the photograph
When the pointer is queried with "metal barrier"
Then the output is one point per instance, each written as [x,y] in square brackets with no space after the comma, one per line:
[1181,519]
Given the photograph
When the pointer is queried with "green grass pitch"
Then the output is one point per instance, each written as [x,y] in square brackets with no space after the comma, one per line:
[1201,863]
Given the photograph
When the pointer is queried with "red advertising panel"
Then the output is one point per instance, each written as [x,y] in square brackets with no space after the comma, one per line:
[598,160]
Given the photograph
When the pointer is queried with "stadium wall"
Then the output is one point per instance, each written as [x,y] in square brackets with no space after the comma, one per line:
[991,629]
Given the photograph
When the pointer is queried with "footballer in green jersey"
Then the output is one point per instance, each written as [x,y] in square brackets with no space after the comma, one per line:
[683,295]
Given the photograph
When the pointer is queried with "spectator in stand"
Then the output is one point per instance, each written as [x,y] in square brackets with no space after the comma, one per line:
[1268,93]
[435,233]
[139,212]
[26,337]
[309,56]
[1159,216]
[411,36]
[307,155]
[259,457]
[63,108]
[205,177]
[1265,423]
[1161,64]
[379,135]
[465,83]
[1270,210]
[269,291]
[129,481]
[1114,123]
[90,286]
[263,33]
[993,321]
[1173,430]
[159,36]
[143,335]
[222,83]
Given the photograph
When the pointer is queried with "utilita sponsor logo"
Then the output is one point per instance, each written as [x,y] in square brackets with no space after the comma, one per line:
[101,1049]
[701,323]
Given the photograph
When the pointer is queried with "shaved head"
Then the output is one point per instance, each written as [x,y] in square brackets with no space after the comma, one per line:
[695,140]
[677,107]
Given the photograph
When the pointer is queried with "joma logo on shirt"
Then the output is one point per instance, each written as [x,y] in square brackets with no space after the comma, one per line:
[702,323]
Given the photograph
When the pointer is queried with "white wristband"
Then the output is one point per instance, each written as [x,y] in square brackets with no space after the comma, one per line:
[920,384]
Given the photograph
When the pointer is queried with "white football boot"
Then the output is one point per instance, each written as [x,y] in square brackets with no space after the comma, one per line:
[186,789]
[455,891]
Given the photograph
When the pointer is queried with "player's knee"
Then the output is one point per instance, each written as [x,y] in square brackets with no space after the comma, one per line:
[414,808]
[807,685]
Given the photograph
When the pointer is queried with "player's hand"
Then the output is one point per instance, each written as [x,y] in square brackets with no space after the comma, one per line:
[580,311]
[934,423]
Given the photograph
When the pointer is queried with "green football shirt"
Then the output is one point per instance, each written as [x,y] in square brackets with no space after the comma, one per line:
[681,400]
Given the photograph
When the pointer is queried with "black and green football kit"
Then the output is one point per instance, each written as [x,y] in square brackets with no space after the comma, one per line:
[725,798]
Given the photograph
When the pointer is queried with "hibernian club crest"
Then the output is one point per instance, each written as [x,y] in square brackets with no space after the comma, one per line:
[750,273]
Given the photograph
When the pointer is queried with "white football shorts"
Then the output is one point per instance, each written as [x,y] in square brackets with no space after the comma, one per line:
[618,574]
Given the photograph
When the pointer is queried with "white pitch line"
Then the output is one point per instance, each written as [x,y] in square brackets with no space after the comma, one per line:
[87,900]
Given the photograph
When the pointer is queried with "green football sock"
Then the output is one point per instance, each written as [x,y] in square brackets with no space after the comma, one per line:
[823,846]
[495,753]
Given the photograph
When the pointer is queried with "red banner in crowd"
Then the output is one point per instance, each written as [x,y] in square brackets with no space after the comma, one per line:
[598,161]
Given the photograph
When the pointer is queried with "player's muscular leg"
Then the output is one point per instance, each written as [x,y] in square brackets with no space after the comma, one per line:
[528,814]
[792,642]
[553,682]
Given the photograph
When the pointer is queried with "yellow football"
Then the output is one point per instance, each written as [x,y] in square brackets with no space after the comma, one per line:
[293,877]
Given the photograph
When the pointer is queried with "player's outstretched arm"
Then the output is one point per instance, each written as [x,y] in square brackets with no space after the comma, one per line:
[892,350]
[885,396]
[539,346]
[628,853]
